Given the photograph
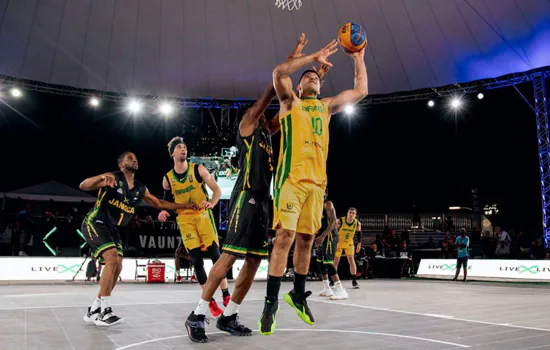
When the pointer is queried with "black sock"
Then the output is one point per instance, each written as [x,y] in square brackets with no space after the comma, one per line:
[273,284]
[353,278]
[299,283]
[225,292]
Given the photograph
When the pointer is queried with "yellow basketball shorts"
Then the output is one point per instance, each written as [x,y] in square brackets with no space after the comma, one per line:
[347,248]
[198,230]
[298,207]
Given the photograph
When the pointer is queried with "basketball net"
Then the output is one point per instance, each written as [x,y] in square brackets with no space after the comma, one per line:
[288,4]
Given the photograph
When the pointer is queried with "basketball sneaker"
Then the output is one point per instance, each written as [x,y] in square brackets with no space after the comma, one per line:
[326,292]
[214,308]
[231,324]
[299,303]
[107,318]
[179,279]
[354,284]
[339,294]
[195,328]
[91,316]
[267,322]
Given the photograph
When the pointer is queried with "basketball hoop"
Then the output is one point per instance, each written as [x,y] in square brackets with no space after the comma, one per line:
[288,4]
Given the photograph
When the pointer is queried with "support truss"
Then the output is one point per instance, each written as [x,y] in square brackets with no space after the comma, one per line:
[224,214]
[225,117]
[543,132]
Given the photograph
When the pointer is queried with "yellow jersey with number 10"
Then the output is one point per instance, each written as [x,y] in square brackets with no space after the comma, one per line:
[304,143]
[188,188]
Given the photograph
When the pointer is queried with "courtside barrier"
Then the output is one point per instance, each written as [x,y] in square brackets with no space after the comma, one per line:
[507,270]
[64,269]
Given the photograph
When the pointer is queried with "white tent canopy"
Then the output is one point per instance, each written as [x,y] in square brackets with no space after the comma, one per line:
[51,190]
[227,49]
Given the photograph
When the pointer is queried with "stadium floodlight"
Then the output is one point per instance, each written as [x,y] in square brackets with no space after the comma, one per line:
[134,106]
[431,103]
[94,102]
[456,103]
[349,109]
[480,96]
[166,108]
[15,92]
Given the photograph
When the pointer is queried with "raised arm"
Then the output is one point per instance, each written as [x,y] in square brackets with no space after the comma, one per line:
[360,90]
[213,185]
[253,114]
[96,182]
[281,74]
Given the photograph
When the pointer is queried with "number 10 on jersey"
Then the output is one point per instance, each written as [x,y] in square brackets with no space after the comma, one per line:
[317,125]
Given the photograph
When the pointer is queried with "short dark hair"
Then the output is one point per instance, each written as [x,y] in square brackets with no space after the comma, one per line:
[309,71]
[122,156]
[352,208]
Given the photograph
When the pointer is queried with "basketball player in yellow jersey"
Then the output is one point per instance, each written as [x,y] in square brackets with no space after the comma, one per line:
[301,178]
[347,227]
[187,182]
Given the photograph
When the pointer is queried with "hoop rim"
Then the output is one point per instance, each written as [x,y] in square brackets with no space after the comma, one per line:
[288,4]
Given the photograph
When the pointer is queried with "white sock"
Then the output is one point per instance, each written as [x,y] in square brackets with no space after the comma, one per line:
[338,285]
[326,283]
[231,309]
[202,307]
[96,304]
[177,273]
[104,303]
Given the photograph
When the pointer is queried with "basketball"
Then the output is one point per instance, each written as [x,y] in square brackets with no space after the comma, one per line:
[352,37]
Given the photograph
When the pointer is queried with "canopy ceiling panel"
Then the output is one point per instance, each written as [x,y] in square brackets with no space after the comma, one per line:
[227,49]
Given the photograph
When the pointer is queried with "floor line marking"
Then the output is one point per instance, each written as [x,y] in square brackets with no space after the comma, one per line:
[452,318]
[306,330]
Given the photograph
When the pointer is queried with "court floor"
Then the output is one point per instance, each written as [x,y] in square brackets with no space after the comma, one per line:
[382,314]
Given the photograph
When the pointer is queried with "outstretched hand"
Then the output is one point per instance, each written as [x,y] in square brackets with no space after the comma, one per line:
[358,54]
[322,55]
[297,52]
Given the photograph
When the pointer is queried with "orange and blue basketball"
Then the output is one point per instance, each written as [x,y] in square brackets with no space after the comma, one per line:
[352,37]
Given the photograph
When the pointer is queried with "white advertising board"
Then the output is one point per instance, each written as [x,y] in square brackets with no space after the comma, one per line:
[520,270]
[63,269]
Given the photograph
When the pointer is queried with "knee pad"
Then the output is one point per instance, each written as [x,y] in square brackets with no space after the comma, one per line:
[213,252]
[330,269]
[198,264]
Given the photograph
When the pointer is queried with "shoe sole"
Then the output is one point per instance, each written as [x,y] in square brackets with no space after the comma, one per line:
[191,338]
[100,324]
[232,332]
[339,298]
[300,313]
[273,326]
[89,319]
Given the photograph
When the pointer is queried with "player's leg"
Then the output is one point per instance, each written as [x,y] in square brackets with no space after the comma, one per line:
[350,255]
[340,293]
[177,264]
[465,267]
[252,237]
[308,223]
[120,253]
[209,238]
[287,207]
[326,291]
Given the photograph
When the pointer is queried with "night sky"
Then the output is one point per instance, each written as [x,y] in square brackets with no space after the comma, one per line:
[382,159]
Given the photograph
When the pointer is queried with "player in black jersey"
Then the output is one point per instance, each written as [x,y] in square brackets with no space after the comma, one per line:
[248,221]
[119,195]
[326,243]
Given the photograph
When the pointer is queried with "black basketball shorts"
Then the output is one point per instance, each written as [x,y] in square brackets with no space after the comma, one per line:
[327,250]
[247,225]
[101,238]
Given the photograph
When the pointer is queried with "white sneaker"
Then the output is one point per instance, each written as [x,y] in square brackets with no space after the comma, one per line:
[108,319]
[326,293]
[339,294]
[91,316]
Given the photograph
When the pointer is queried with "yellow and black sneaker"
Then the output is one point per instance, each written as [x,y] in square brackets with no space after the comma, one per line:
[299,303]
[267,323]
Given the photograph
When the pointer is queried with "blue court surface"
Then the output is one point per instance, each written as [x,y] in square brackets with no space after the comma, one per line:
[382,314]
